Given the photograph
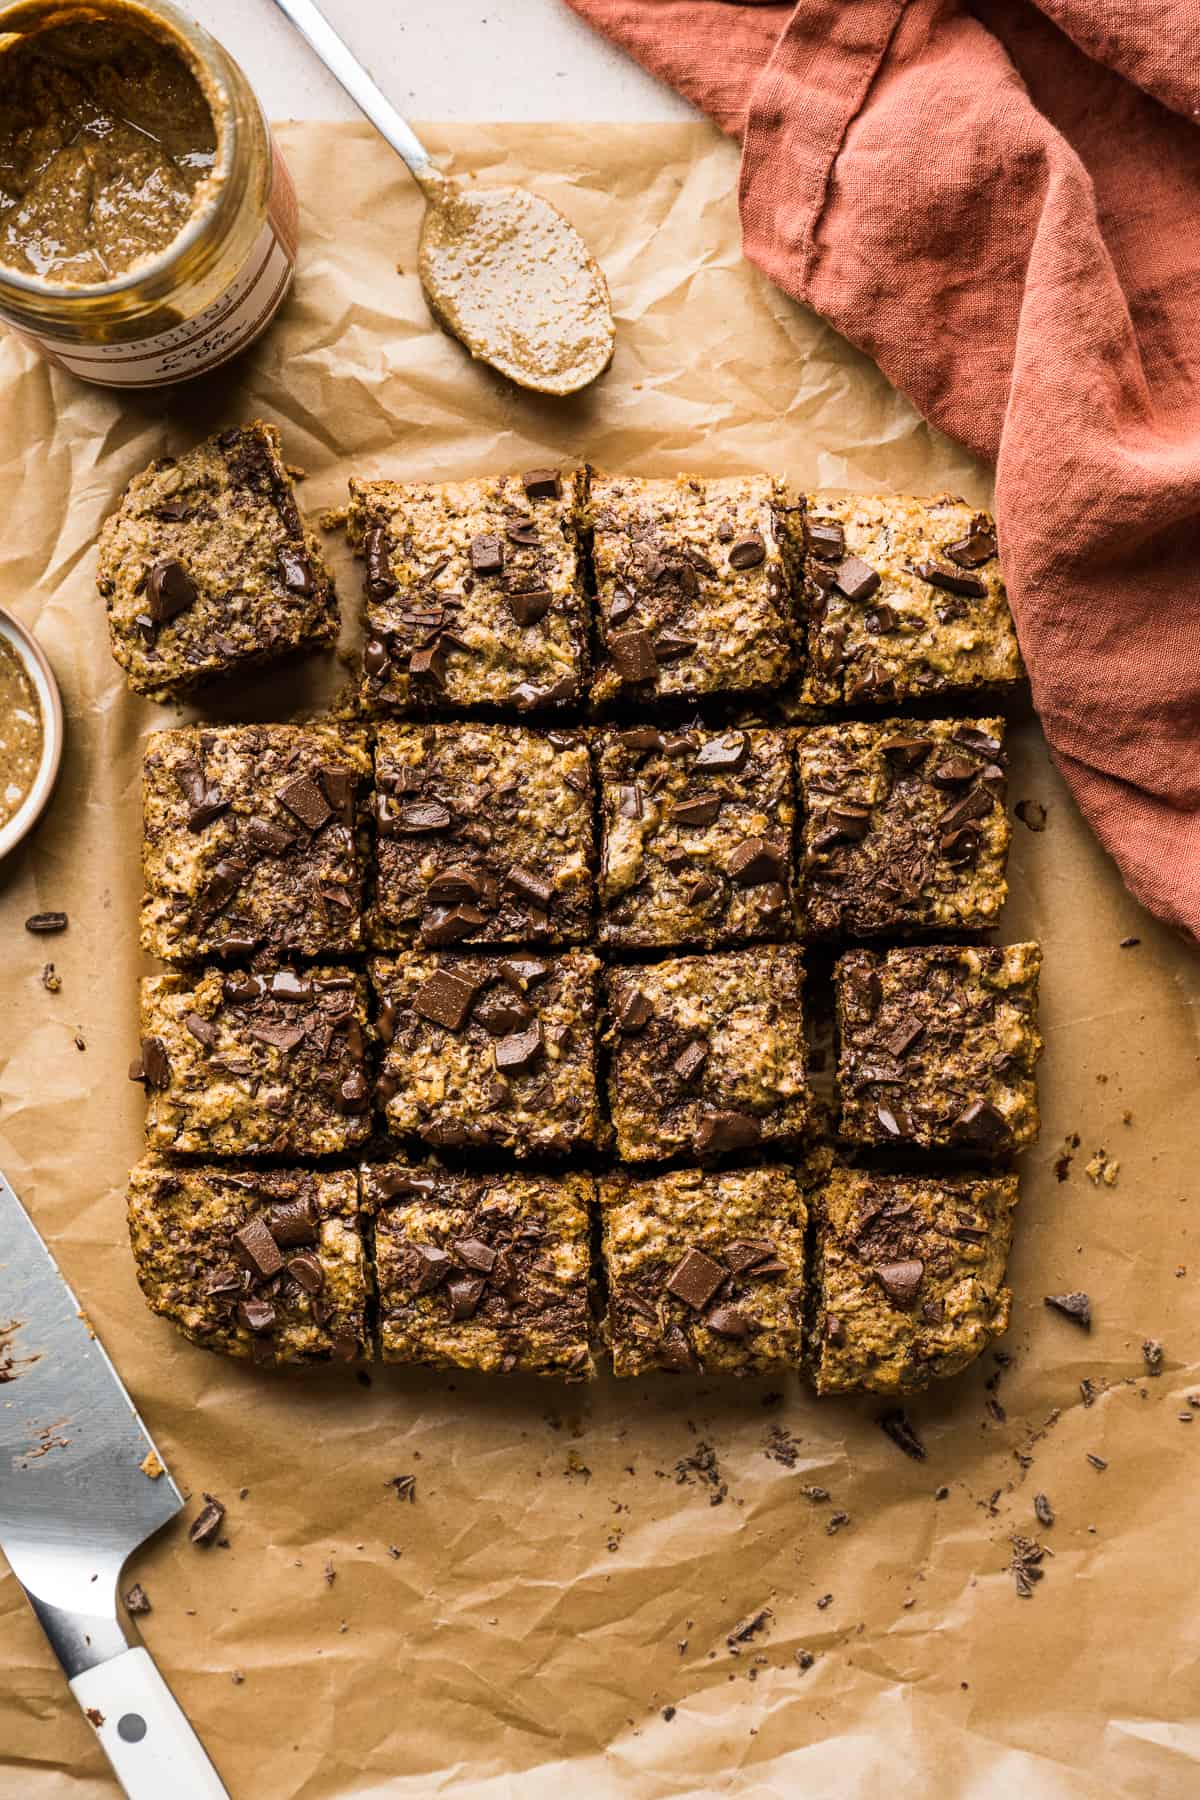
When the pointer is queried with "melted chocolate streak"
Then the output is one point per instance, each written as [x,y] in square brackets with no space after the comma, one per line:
[11,1364]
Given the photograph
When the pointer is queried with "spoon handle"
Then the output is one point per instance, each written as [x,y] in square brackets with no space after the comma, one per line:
[345,66]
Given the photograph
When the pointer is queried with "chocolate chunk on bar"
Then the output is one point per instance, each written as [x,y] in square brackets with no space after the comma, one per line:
[487,1272]
[707,1054]
[265,1064]
[473,593]
[692,589]
[903,599]
[908,1274]
[254,840]
[939,1047]
[483,836]
[705,1271]
[697,834]
[491,1051]
[904,826]
[260,1263]
[207,568]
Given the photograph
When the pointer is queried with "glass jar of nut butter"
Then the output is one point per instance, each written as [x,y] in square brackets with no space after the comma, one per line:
[147,220]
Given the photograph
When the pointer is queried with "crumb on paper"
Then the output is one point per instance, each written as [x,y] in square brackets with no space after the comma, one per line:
[94,1716]
[1027,1557]
[137,1600]
[51,980]
[1032,814]
[576,1469]
[782,1447]
[701,1469]
[333,518]
[296,472]
[405,1486]
[748,1628]
[1103,1168]
[1062,1162]
[152,1465]
[207,1524]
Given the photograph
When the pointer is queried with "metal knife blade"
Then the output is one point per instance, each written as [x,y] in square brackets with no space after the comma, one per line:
[75,1498]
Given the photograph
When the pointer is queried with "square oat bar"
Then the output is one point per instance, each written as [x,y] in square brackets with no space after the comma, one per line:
[207,567]
[261,1263]
[488,1272]
[693,591]
[705,1271]
[708,1054]
[254,840]
[904,826]
[908,1274]
[483,836]
[697,837]
[939,1047]
[903,600]
[474,592]
[269,1064]
[489,1051]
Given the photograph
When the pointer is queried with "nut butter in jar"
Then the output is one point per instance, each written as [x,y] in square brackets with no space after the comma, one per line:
[147,220]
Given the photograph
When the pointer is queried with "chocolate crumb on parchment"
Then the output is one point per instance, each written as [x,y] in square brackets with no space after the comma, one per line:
[45,924]
[1075,1306]
[1027,1558]
[1043,1510]
[405,1486]
[1153,1355]
[1062,1162]
[782,1447]
[701,1469]
[51,980]
[748,1628]
[899,1427]
[208,1523]
[1032,814]
[137,1600]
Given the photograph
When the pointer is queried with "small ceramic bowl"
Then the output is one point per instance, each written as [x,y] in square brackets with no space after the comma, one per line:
[34,660]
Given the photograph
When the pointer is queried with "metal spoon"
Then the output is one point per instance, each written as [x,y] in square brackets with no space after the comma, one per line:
[502,269]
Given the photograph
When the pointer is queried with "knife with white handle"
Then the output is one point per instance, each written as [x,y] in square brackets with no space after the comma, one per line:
[75,1501]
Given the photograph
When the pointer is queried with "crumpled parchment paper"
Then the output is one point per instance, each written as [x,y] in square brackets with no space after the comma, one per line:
[552,1610]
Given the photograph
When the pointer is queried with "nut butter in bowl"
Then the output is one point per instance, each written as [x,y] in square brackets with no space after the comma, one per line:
[31,732]
[147,220]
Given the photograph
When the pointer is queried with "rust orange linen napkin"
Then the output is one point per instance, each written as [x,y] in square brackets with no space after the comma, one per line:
[1000,203]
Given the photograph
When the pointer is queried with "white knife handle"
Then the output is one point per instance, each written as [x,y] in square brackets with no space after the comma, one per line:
[142,1729]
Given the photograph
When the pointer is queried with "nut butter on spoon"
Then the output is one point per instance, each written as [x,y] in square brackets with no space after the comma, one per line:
[502,269]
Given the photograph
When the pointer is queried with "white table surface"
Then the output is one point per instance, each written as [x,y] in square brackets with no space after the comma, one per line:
[444,59]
